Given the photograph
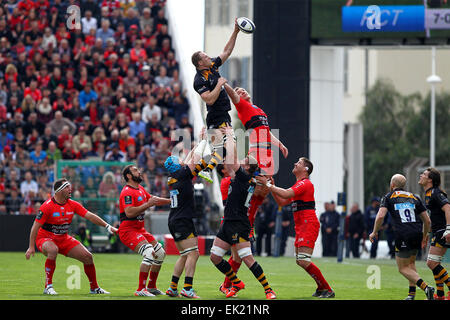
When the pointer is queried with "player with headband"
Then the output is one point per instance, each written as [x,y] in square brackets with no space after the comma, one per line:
[50,234]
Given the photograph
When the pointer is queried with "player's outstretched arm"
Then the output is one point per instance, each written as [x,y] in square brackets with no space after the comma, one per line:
[230,44]
[160,201]
[282,196]
[235,98]
[95,219]
[279,144]
[33,234]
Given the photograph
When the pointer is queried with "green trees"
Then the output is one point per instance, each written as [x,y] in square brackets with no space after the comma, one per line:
[397,129]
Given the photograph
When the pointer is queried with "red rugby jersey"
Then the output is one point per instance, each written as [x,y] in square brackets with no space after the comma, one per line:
[303,200]
[130,196]
[224,186]
[56,217]
[255,119]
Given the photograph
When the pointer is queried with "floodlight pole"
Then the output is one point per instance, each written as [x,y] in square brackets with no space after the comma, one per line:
[433,80]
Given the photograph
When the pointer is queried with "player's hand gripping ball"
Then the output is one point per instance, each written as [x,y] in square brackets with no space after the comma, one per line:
[245,25]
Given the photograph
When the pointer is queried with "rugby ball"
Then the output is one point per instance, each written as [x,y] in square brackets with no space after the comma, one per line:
[245,24]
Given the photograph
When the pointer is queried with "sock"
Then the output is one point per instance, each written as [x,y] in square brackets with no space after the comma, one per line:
[315,273]
[440,276]
[152,279]
[422,284]
[226,269]
[50,266]
[214,161]
[199,167]
[174,283]
[89,269]
[255,202]
[188,283]
[412,291]
[260,276]
[142,280]
[235,266]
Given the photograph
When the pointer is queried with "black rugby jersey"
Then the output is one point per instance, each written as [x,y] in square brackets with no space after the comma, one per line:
[405,209]
[239,195]
[206,80]
[181,190]
[435,199]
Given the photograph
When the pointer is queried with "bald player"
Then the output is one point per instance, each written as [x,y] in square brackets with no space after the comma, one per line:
[411,227]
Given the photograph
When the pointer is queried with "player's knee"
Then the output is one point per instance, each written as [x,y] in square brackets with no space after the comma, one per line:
[87,258]
[303,260]
[433,260]
[217,254]
[190,252]
[160,253]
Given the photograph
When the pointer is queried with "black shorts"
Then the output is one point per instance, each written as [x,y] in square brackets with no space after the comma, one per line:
[182,229]
[233,232]
[408,246]
[438,241]
[220,124]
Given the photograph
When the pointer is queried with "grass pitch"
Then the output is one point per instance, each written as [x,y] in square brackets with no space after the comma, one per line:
[353,279]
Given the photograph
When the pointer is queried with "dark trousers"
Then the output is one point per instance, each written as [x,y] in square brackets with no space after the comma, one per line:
[354,245]
[263,231]
[329,244]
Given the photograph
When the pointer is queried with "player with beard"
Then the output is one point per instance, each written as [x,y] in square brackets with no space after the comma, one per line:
[134,201]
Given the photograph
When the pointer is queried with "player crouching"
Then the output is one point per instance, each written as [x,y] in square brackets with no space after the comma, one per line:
[50,234]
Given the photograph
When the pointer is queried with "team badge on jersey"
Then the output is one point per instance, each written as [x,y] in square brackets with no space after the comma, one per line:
[128,200]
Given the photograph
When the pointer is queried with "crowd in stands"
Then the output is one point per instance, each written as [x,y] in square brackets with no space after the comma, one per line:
[108,90]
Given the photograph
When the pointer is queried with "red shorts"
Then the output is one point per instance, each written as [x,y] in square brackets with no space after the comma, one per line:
[132,236]
[307,228]
[64,242]
[265,160]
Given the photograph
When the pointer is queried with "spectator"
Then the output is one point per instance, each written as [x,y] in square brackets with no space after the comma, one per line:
[369,218]
[356,229]
[114,153]
[13,202]
[28,186]
[38,155]
[107,186]
[59,122]
[264,226]
[88,22]
[81,138]
[53,153]
[105,32]
[150,109]
[136,126]
[329,222]
[87,95]
[6,138]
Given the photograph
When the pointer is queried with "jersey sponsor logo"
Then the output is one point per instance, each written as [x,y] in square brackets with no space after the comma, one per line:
[69,213]
[40,214]
[403,194]
[128,200]
[139,198]
[56,214]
